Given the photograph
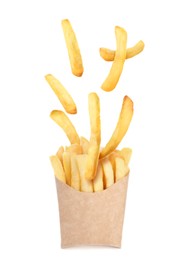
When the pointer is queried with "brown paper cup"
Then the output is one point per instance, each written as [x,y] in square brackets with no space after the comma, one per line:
[92,218]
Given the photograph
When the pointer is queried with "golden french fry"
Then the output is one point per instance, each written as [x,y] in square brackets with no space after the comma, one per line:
[67,166]
[121,127]
[84,144]
[74,148]
[60,153]
[62,94]
[73,49]
[108,172]
[112,157]
[86,185]
[98,184]
[58,168]
[120,169]
[64,122]
[109,55]
[95,138]
[119,59]
[75,176]
[126,153]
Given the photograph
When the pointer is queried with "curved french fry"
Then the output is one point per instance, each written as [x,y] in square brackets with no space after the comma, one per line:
[85,144]
[86,185]
[109,55]
[58,168]
[121,127]
[60,153]
[73,48]
[108,173]
[119,59]
[95,138]
[74,148]
[98,184]
[62,94]
[64,122]
[75,176]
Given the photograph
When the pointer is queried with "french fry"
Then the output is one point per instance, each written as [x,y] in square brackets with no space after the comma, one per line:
[119,59]
[58,168]
[67,167]
[86,185]
[95,138]
[126,153]
[85,144]
[60,153]
[98,184]
[120,169]
[75,176]
[109,55]
[108,173]
[62,94]
[121,127]
[74,148]
[73,49]
[112,157]
[64,122]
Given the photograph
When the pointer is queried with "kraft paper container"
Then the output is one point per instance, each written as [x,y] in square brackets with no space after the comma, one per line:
[92,218]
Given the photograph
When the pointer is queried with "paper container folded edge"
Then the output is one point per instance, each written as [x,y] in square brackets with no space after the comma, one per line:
[92,218]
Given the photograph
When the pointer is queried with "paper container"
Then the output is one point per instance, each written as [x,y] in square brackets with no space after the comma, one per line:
[92,218]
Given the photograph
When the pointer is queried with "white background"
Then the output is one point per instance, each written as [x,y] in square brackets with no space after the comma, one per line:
[32,45]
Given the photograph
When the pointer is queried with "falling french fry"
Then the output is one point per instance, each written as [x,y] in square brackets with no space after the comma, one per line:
[121,127]
[117,66]
[109,55]
[62,94]
[73,48]
[64,122]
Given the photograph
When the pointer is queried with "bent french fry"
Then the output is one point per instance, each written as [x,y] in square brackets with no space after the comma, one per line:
[85,144]
[58,168]
[108,173]
[60,153]
[73,49]
[74,148]
[64,122]
[95,136]
[75,176]
[62,94]
[86,185]
[120,169]
[119,59]
[109,55]
[121,127]
[66,158]
[98,184]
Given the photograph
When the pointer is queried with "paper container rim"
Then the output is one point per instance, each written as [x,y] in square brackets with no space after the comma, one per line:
[90,192]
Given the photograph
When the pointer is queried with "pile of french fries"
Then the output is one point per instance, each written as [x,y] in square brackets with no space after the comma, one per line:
[84,165]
